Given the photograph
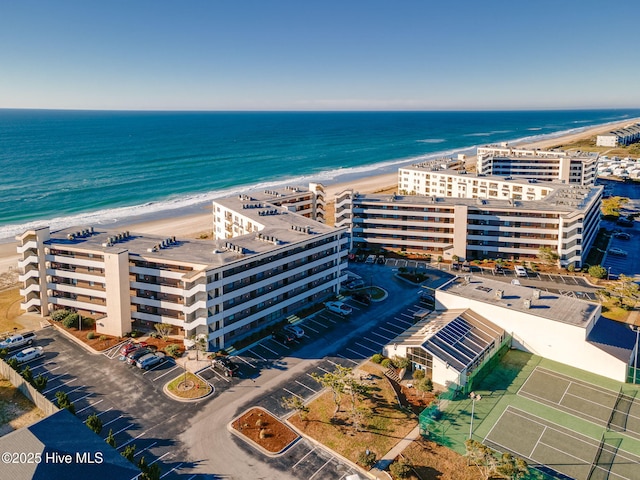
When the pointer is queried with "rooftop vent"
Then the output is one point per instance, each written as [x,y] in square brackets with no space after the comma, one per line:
[499,293]
[527,303]
[536,294]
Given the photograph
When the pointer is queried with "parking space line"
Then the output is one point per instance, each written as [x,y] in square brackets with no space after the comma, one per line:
[219,374]
[405,315]
[324,317]
[58,386]
[154,368]
[172,470]
[132,440]
[402,321]
[165,373]
[294,394]
[272,351]
[325,371]
[145,449]
[308,453]
[123,429]
[245,361]
[41,366]
[385,338]
[353,351]
[82,398]
[89,406]
[162,456]
[303,385]
[315,321]
[318,471]
[275,341]
[114,420]
[312,329]
[352,361]
[372,341]
[365,347]
[259,356]
[77,388]
[395,334]
[102,413]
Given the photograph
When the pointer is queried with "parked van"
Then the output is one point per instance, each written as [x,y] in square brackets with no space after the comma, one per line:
[520,271]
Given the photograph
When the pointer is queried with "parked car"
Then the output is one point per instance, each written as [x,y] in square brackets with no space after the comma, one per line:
[362,297]
[625,222]
[294,330]
[455,266]
[355,284]
[131,346]
[520,271]
[426,298]
[380,260]
[498,269]
[147,361]
[226,366]
[283,337]
[370,259]
[617,252]
[133,356]
[339,308]
[28,354]
[622,235]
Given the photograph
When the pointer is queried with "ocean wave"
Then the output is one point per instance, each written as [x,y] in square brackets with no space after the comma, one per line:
[432,140]
[486,134]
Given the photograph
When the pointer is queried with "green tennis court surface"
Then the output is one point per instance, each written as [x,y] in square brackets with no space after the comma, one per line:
[560,449]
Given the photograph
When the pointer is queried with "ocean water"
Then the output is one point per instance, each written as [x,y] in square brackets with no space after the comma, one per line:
[97,167]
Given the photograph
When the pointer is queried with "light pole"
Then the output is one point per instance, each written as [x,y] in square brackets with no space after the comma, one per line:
[473,396]
[608,273]
[635,328]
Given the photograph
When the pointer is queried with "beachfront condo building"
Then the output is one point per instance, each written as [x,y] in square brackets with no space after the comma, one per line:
[577,168]
[222,290]
[621,137]
[508,219]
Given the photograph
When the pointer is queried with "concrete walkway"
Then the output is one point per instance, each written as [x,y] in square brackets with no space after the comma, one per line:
[384,462]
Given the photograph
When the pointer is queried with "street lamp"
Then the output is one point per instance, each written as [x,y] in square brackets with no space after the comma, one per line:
[635,328]
[608,273]
[473,396]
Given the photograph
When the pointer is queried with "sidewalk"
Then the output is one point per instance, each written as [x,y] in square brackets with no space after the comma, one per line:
[384,462]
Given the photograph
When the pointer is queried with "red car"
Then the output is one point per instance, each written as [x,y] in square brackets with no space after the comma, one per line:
[130,347]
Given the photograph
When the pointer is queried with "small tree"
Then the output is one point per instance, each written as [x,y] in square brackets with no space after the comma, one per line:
[511,467]
[482,457]
[424,385]
[129,452]
[597,271]
[377,358]
[400,469]
[27,374]
[417,374]
[71,320]
[40,382]
[94,423]
[548,255]
[359,416]
[172,349]
[164,329]
[64,402]
[296,403]
[335,381]
[367,459]
[111,439]
[153,472]
[3,353]
[13,363]
[401,362]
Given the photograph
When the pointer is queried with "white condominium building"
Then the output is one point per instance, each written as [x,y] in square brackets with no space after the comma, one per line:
[623,136]
[510,219]
[544,165]
[221,289]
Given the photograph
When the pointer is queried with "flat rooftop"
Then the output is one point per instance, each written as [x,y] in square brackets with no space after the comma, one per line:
[281,230]
[551,306]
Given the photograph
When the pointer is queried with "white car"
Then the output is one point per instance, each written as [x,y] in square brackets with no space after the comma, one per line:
[618,252]
[28,354]
[339,308]
[520,271]
[295,330]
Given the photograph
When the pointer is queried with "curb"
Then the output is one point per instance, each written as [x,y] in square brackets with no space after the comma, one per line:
[258,447]
[166,391]
[89,349]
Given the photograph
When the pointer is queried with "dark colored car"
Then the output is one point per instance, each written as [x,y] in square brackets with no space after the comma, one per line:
[226,366]
[380,260]
[282,337]
[362,297]
[133,356]
[455,266]
[427,299]
[625,222]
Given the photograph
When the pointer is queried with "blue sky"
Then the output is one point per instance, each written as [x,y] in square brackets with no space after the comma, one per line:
[319,55]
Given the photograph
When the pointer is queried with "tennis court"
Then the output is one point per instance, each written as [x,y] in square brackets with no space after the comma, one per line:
[565,451]
[612,409]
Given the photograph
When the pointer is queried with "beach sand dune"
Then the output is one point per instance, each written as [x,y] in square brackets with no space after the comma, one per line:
[197,226]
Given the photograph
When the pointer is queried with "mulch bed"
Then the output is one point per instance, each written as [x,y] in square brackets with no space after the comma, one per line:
[95,343]
[276,435]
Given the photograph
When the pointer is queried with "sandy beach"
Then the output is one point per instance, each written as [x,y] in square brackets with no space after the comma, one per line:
[198,225]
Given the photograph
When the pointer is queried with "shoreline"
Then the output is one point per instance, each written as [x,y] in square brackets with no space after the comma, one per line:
[194,220]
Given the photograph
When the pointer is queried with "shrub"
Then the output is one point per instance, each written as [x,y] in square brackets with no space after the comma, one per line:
[377,358]
[88,322]
[439,258]
[386,363]
[367,459]
[400,469]
[91,335]
[60,315]
[71,320]
[418,374]
[172,350]
[102,338]
[597,271]
[40,382]
[571,268]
